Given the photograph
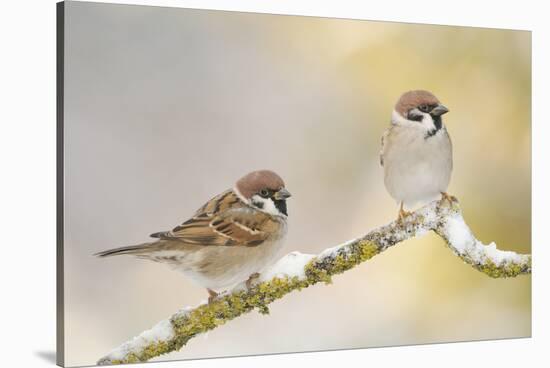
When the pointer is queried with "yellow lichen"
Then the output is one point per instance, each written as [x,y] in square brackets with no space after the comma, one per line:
[507,270]
[227,307]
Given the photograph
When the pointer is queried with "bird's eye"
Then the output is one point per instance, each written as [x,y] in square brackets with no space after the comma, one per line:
[264,193]
[424,108]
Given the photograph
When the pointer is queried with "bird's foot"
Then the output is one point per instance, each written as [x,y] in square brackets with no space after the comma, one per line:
[402,215]
[211,295]
[251,279]
[449,198]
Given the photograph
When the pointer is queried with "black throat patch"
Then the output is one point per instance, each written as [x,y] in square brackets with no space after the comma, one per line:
[438,123]
[281,206]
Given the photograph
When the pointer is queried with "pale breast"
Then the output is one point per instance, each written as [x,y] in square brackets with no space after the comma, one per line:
[416,168]
[218,267]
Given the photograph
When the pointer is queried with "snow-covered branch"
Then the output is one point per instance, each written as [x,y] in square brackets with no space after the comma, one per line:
[296,271]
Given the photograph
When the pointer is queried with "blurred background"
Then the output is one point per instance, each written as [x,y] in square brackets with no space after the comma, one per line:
[166,107]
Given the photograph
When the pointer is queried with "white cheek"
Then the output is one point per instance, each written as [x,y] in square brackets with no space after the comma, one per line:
[427,122]
[268,205]
[399,120]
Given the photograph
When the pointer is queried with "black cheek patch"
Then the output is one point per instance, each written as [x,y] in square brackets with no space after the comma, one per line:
[414,117]
[258,204]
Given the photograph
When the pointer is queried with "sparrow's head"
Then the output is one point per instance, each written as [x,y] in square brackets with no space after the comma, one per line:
[264,190]
[419,109]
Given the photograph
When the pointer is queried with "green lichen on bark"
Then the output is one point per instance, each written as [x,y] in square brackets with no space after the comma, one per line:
[150,351]
[321,269]
[206,317]
[491,269]
[506,270]
[188,324]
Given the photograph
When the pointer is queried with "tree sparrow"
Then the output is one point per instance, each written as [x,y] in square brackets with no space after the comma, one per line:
[229,239]
[416,151]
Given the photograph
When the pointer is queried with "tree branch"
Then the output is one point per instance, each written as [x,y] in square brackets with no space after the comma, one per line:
[296,271]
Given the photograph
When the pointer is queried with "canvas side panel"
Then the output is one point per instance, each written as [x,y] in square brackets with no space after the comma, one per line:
[60,317]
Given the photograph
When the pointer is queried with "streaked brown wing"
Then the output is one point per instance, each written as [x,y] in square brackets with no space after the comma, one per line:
[203,215]
[219,204]
[242,228]
[223,221]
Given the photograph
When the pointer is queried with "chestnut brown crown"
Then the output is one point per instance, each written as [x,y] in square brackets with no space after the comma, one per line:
[255,181]
[411,99]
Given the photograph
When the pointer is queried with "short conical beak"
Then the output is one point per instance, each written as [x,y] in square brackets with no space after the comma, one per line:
[282,194]
[439,110]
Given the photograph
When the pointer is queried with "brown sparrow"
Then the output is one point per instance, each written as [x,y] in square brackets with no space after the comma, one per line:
[229,239]
[416,151]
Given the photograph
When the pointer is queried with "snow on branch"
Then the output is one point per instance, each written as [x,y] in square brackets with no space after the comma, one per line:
[296,271]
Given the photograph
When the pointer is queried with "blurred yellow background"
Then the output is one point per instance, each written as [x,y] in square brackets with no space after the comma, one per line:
[167,107]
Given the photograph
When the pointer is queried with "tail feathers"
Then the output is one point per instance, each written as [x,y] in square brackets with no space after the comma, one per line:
[132,250]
